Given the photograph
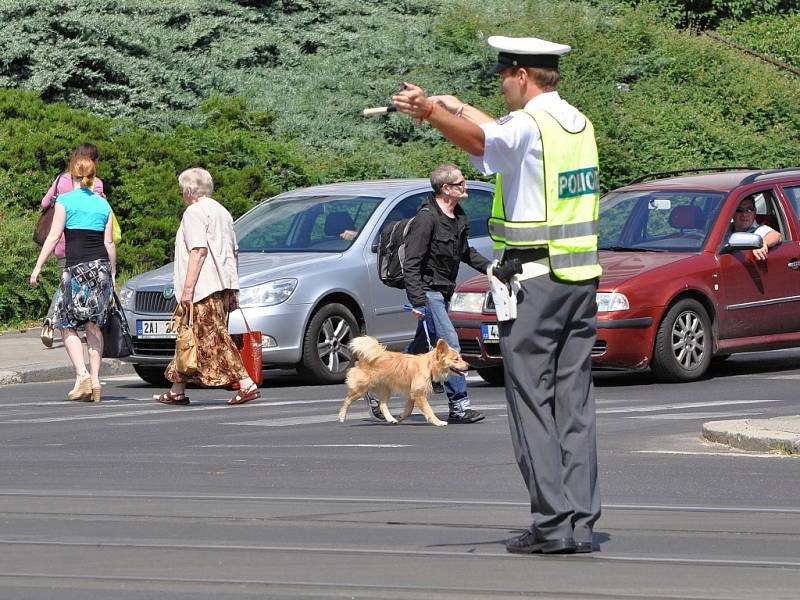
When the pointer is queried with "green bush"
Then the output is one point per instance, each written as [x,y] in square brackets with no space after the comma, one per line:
[775,36]
[139,169]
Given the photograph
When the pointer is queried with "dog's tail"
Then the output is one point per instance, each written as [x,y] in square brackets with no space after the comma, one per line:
[367,348]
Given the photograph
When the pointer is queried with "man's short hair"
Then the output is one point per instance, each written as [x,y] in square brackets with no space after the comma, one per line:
[198,180]
[441,175]
[545,79]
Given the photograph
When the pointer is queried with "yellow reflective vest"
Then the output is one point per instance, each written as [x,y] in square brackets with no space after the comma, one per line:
[572,203]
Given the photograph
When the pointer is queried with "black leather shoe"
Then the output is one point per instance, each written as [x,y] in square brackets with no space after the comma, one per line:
[527,543]
[583,547]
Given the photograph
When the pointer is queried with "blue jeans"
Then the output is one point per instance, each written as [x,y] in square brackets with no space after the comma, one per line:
[440,327]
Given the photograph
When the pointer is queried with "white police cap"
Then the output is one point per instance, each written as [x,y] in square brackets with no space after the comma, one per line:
[525,52]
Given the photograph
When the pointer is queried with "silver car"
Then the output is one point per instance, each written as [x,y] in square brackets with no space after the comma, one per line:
[308,277]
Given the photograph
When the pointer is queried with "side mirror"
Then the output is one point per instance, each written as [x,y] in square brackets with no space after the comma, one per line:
[742,241]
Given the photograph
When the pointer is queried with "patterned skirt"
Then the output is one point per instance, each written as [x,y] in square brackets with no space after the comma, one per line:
[220,361]
[83,295]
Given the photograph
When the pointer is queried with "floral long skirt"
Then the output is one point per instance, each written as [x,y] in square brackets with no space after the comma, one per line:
[83,295]
[220,362]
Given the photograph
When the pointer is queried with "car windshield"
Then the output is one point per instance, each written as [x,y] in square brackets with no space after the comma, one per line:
[304,223]
[657,221]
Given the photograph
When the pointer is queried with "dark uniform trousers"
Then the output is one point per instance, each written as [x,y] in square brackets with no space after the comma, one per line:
[547,355]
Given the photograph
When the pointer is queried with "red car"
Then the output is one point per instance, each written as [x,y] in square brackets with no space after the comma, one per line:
[677,290]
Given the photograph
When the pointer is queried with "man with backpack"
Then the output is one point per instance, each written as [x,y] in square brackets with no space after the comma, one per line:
[436,243]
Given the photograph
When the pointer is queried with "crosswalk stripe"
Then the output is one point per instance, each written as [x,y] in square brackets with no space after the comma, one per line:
[696,415]
[679,406]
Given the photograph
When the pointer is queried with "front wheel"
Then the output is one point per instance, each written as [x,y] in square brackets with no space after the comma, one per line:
[326,354]
[684,343]
[152,375]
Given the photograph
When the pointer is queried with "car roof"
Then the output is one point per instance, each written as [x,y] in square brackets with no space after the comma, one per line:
[723,181]
[375,187]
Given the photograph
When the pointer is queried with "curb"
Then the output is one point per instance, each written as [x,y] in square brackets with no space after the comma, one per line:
[755,436]
[109,367]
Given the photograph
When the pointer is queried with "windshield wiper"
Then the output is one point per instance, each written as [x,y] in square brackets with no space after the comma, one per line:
[631,249]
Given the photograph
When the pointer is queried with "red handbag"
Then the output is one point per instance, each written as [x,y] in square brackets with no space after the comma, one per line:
[249,346]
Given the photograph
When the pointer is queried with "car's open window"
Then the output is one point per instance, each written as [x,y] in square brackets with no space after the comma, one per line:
[768,211]
[667,221]
[304,224]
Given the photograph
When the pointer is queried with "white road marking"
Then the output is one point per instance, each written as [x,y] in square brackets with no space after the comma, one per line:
[678,406]
[698,415]
[157,409]
[306,446]
[712,453]
[288,421]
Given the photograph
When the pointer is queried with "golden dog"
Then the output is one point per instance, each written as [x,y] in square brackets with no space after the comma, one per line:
[382,372]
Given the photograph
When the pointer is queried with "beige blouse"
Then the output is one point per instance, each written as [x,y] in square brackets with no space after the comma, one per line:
[207,224]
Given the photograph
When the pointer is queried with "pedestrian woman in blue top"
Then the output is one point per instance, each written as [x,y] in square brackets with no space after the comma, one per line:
[88,277]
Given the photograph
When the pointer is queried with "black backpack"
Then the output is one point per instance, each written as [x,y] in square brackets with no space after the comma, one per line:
[392,252]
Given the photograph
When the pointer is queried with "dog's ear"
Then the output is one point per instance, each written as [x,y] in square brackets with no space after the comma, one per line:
[441,346]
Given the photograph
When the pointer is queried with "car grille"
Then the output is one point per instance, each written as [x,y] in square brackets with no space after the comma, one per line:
[470,346]
[599,347]
[154,303]
[155,347]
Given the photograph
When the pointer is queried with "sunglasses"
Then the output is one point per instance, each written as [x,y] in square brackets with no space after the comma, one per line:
[458,183]
[745,210]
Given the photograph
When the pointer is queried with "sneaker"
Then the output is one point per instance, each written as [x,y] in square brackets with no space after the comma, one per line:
[47,333]
[468,416]
[438,388]
[374,407]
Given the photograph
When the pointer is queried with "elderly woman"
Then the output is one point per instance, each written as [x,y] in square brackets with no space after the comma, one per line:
[206,278]
[84,217]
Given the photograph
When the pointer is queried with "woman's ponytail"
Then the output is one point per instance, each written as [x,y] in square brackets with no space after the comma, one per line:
[83,168]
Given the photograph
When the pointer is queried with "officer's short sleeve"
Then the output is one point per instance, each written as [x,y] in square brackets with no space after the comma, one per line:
[195,225]
[506,141]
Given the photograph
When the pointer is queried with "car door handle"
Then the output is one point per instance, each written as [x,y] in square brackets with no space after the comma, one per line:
[794,264]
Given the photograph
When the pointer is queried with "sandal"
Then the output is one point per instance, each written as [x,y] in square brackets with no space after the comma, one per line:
[174,399]
[245,396]
[82,390]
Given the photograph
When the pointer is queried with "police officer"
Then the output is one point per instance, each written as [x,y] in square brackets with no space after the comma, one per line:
[545,215]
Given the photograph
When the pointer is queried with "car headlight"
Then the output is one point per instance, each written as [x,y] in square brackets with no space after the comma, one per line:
[608,301]
[126,296]
[469,302]
[267,294]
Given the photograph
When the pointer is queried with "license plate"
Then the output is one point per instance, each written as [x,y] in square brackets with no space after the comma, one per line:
[489,332]
[154,329]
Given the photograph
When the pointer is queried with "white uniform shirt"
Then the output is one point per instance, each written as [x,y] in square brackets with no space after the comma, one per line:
[513,147]
[207,224]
